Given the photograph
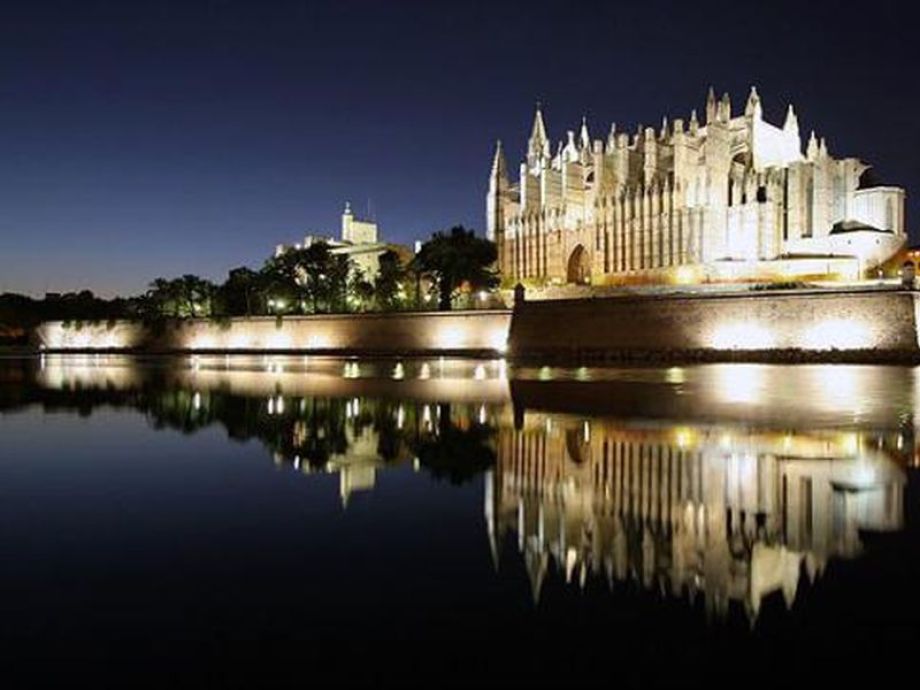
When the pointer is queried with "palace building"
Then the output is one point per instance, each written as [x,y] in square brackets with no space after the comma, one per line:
[359,241]
[730,198]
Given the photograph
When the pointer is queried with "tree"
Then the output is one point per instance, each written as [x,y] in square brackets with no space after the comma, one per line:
[195,294]
[391,276]
[188,295]
[361,291]
[243,293]
[337,277]
[456,454]
[161,299]
[457,259]
[316,278]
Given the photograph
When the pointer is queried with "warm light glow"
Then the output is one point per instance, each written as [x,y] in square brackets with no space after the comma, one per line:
[240,341]
[686,275]
[840,334]
[675,375]
[499,340]
[683,437]
[203,342]
[741,383]
[741,335]
[450,337]
[317,341]
[278,341]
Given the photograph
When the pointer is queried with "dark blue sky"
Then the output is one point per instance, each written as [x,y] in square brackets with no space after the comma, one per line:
[140,139]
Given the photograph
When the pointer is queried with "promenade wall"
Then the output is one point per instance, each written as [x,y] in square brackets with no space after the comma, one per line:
[857,325]
[744,325]
[415,332]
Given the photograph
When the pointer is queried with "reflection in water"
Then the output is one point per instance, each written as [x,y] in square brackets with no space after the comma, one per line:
[732,513]
[730,482]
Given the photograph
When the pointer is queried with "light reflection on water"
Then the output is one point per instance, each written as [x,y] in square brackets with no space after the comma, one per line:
[729,483]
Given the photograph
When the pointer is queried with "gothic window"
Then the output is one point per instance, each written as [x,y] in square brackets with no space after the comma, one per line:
[889,215]
[761,194]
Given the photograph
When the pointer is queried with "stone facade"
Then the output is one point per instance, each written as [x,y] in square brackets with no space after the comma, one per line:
[655,205]
[359,241]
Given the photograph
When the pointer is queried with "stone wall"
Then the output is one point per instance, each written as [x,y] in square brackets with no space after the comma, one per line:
[470,331]
[864,325]
[820,321]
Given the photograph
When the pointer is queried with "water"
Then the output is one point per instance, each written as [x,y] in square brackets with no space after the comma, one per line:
[246,520]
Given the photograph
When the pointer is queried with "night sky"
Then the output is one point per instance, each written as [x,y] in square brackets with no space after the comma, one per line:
[144,139]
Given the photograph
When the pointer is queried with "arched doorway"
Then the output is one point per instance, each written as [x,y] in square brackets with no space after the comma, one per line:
[579,268]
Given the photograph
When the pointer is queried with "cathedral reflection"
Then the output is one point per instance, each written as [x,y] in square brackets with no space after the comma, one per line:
[658,477]
[728,512]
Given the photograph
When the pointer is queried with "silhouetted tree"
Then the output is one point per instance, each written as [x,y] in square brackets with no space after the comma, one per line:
[243,293]
[456,260]
[390,281]
[457,455]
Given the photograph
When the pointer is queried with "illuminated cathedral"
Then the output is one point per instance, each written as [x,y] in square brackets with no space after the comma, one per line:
[730,197]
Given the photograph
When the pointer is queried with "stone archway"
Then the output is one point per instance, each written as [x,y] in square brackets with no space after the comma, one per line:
[579,266]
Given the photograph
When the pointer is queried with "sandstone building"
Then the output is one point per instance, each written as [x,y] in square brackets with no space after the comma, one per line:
[359,241]
[732,197]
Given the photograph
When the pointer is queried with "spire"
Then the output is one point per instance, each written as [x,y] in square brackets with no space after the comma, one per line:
[811,151]
[725,106]
[612,136]
[499,165]
[822,147]
[753,108]
[711,106]
[664,128]
[694,122]
[584,139]
[792,122]
[570,150]
[538,144]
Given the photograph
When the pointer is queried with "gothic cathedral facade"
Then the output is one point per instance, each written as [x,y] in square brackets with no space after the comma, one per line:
[733,197]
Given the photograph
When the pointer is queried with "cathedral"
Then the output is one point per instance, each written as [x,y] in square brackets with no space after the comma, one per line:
[730,198]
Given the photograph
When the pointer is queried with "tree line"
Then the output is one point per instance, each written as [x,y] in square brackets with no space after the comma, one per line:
[452,269]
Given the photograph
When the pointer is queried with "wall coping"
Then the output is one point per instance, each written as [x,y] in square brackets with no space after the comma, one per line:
[820,293]
[294,318]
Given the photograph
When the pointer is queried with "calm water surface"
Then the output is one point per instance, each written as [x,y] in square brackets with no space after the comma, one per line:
[247,520]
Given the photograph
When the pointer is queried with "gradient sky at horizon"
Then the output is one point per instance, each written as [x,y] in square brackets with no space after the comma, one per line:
[144,139]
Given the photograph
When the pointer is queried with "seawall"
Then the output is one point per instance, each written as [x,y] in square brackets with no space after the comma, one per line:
[462,332]
[809,325]
[857,325]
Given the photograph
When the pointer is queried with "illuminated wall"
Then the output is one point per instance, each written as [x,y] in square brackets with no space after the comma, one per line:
[814,320]
[362,333]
